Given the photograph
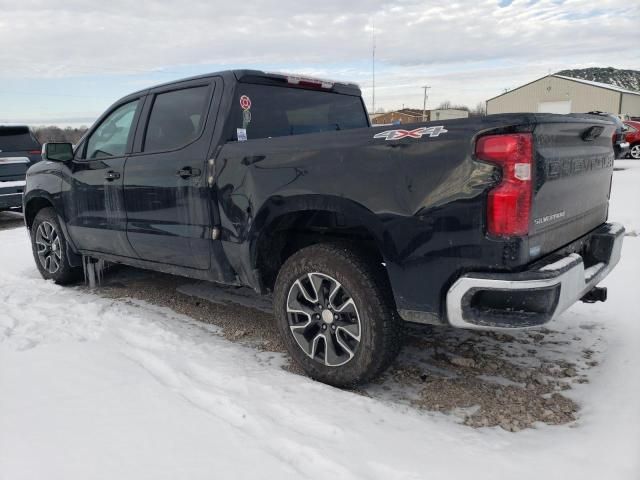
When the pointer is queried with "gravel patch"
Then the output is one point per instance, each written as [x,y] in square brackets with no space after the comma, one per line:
[237,322]
[481,379]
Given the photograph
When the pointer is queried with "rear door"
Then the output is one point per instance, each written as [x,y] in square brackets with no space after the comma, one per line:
[165,186]
[93,198]
[574,164]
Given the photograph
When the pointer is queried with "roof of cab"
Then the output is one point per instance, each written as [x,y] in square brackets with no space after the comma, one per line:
[259,76]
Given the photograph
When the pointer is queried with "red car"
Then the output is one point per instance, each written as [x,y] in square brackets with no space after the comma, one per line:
[632,135]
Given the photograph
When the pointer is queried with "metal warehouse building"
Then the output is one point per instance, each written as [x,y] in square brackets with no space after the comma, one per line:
[560,94]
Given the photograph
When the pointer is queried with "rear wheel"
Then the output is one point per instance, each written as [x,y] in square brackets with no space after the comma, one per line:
[634,152]
[334,310]
[50,248]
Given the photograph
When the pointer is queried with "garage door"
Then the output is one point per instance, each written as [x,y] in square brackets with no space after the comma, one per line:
[555,107]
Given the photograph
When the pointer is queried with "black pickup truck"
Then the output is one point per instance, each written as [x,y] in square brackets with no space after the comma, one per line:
[280,183]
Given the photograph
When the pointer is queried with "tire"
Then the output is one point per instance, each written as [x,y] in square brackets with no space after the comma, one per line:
[634,151]
[49,247]
[365,334]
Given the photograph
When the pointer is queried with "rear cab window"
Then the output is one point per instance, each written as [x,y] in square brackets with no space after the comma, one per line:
[265,111]
[17,139]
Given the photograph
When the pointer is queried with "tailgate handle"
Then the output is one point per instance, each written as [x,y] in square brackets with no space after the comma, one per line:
[592,133]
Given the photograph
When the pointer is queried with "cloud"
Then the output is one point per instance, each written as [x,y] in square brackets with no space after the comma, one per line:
[469,50]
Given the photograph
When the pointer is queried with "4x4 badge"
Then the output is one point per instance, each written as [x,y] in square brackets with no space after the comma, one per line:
[416,133]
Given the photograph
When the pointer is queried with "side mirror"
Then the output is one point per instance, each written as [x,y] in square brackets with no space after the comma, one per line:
[57,152]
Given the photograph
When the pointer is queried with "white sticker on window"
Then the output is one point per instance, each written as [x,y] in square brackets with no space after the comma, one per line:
[242,134]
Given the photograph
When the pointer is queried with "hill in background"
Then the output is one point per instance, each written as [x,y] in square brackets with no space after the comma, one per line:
[629,79]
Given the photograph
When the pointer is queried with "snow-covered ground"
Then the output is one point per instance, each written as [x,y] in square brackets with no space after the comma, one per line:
[94,388]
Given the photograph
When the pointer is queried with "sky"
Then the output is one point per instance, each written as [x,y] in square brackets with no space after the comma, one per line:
[64,62]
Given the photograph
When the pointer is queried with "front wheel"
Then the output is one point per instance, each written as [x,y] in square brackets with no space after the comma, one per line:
[335,312]
[634,152]
[50,249]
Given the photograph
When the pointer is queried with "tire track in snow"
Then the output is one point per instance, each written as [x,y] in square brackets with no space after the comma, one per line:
[213,393]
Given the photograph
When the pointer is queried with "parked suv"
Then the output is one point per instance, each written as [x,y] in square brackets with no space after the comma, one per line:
[19,149]
[279,183]
[620,144]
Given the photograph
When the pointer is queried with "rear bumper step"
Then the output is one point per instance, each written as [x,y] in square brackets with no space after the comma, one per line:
[11,194]
[537,296]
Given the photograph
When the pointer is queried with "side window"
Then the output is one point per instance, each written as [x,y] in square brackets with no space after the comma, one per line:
[111,137]
[176,118]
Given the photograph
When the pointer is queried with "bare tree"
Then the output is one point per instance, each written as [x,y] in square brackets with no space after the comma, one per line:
[51,133]
[446,105]
[480,110]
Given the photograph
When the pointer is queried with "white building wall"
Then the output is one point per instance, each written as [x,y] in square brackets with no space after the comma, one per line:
[630,104]
[583,97]
[447,114]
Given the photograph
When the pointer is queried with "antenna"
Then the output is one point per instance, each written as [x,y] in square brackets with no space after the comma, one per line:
[424,104]
[373,65]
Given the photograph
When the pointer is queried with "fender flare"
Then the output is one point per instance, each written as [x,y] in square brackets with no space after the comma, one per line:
[75,259]
[352,213]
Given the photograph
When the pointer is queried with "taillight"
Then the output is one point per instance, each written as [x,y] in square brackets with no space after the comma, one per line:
[509,203]
[34,152]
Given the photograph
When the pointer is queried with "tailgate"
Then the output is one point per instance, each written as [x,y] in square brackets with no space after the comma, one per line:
[13,165]
[574,164]
[18,151]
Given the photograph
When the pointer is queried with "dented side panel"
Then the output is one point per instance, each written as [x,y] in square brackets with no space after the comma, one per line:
[421,198]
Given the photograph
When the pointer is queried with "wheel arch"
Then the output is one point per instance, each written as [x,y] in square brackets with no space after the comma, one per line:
[33,203]
[37,200]
[282,227]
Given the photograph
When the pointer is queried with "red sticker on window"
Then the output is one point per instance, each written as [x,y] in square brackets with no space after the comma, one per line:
[245,102]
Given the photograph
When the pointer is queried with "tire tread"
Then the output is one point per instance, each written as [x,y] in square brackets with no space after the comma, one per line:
[373,281]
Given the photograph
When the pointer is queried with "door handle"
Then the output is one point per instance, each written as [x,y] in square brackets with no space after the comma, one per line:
[111,175]
[187,172]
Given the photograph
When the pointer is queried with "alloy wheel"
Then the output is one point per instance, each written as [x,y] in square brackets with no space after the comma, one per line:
[48,247]
[323,319]
[635,152]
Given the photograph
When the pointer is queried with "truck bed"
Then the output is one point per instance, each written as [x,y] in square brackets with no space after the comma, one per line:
[424,198]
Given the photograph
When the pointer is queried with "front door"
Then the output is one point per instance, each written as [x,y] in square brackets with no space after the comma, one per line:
[94,201]
[165,185]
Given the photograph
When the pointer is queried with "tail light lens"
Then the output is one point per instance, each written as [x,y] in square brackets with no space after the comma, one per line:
[509,203]
[35,152]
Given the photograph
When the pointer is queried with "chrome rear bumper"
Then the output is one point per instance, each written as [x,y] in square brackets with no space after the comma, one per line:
[11,194]
[537,296]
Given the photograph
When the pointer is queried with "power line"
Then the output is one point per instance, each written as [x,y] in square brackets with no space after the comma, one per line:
[41,94]
[373,66]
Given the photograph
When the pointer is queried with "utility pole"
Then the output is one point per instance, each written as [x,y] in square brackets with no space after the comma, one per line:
[373,66]
[424,104]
